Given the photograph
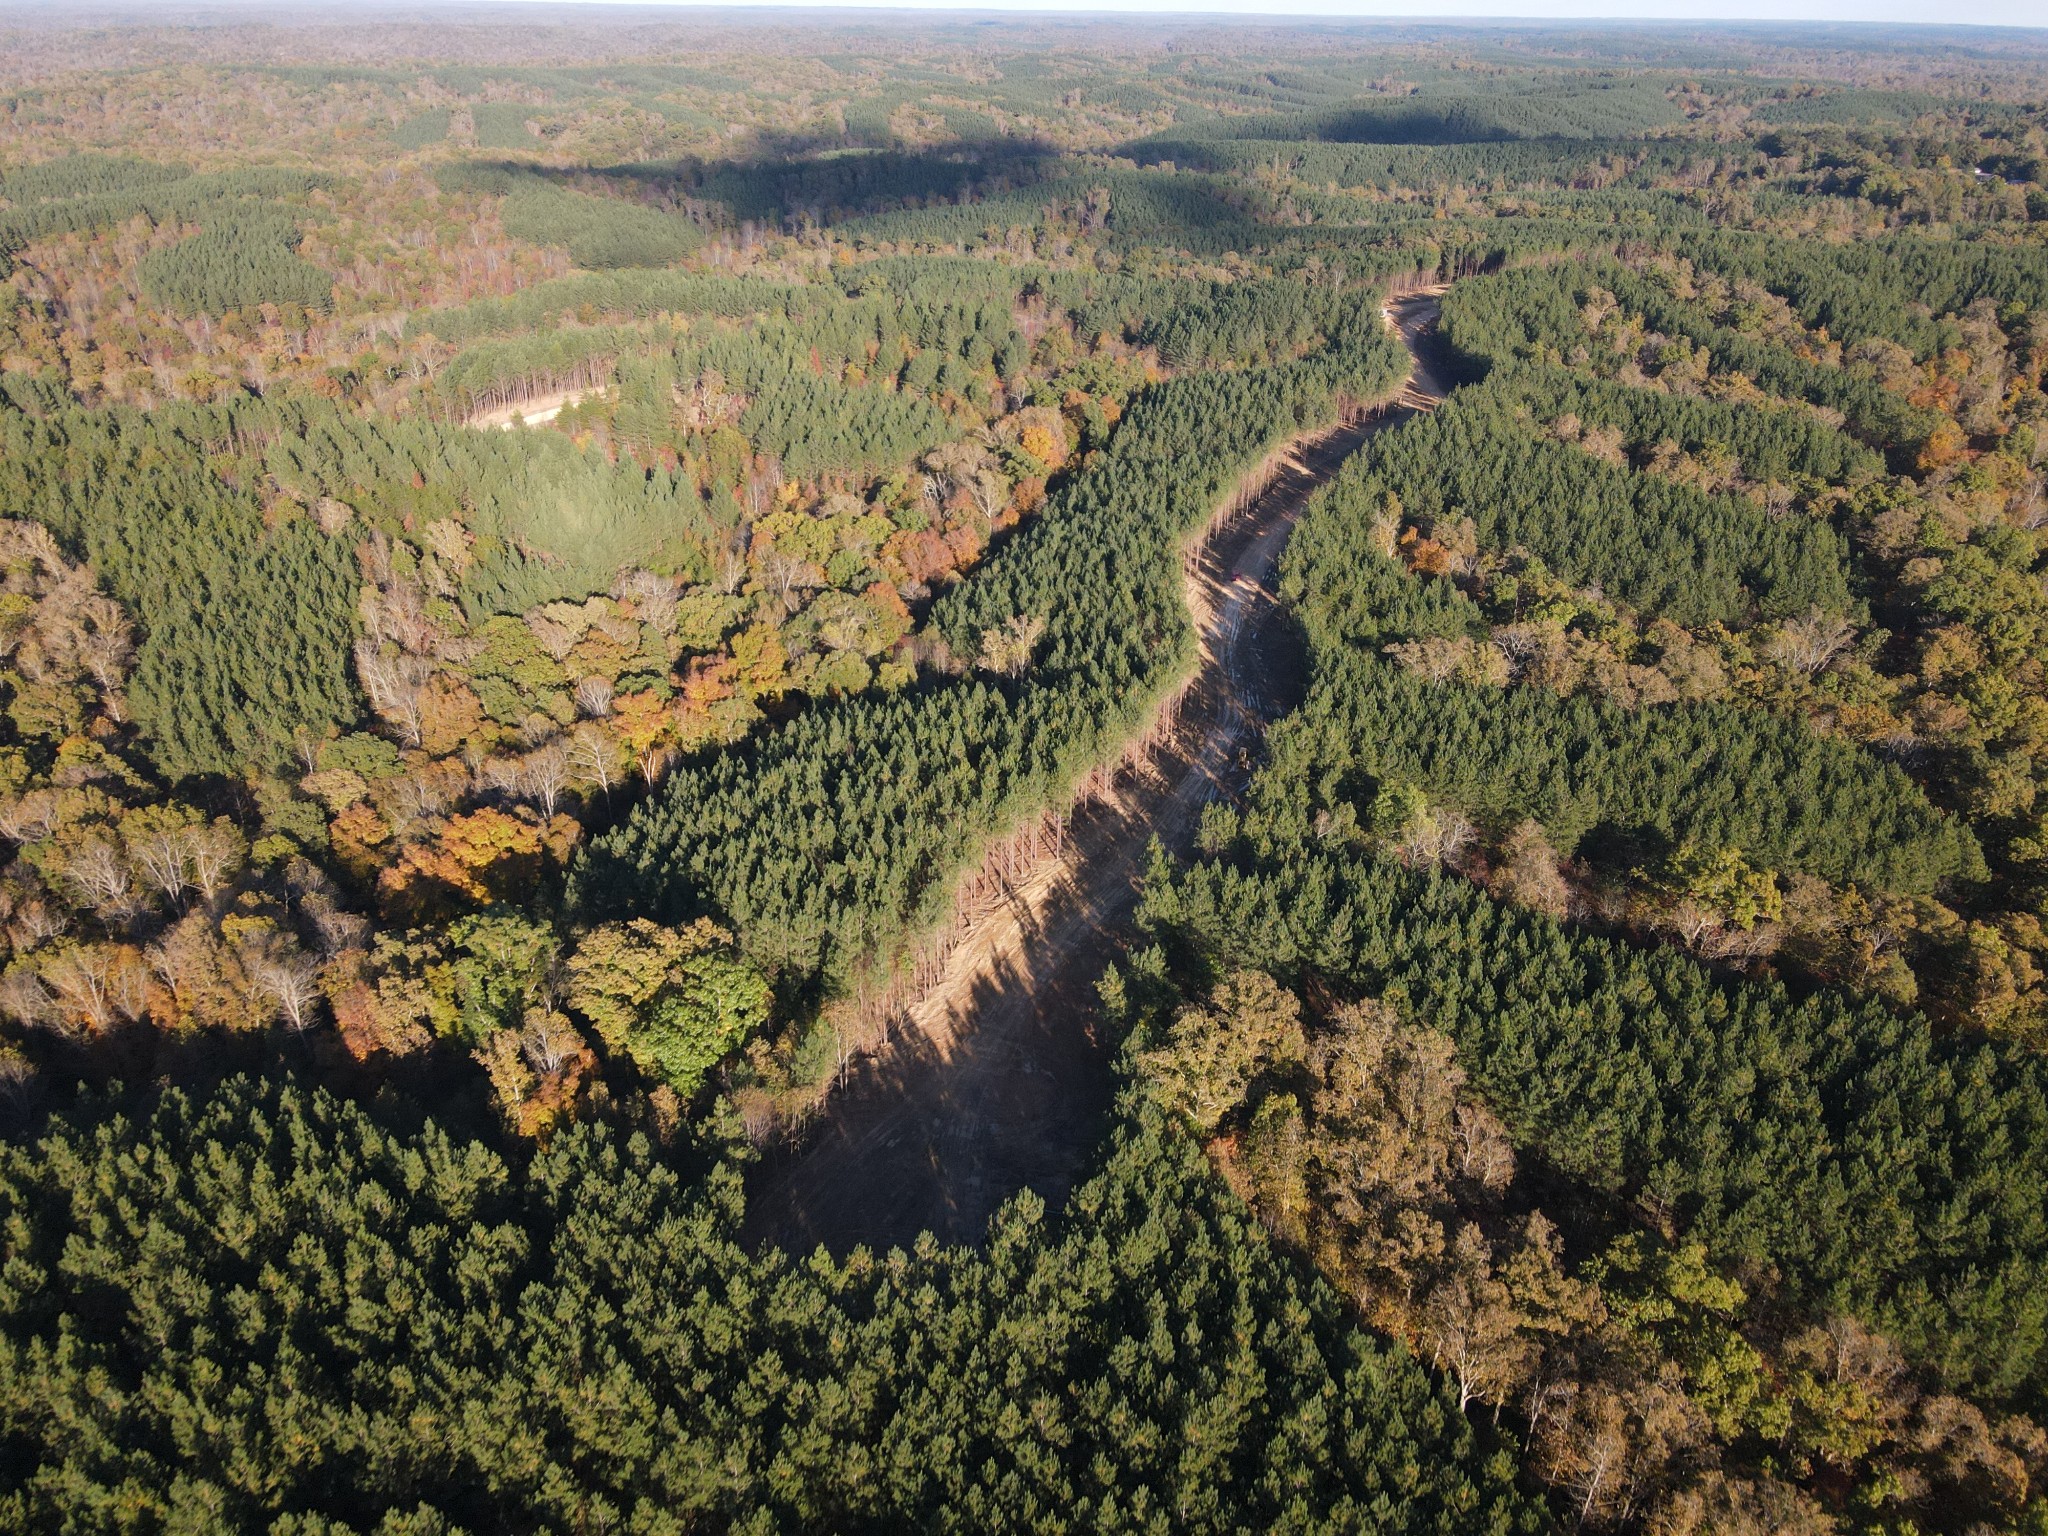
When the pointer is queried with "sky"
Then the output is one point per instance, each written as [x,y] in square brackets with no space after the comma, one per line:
[2032,14]
[1999,13]
[2010,13]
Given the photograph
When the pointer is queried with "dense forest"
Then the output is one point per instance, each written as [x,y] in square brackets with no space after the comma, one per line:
[548,580]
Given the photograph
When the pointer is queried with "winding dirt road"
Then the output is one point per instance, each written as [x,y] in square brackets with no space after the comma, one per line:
[993,1083]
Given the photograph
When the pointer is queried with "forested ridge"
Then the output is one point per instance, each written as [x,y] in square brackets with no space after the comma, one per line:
[550,582]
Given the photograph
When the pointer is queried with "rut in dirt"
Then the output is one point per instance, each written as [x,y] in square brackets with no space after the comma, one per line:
[994,1083]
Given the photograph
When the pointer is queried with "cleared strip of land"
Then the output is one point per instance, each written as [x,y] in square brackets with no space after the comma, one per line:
[991,1083]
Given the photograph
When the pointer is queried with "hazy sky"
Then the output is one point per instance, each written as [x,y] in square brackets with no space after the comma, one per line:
[2001,13]
[2013,13]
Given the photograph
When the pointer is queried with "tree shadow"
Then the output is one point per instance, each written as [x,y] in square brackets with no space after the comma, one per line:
[827,180]
[856,174]
[438,1082]
[933,1135]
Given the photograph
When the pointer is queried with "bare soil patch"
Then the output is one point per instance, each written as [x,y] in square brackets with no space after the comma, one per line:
[535,411]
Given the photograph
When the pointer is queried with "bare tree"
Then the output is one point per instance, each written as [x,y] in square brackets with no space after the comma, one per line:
[290,978]
[556,638]
[1589,1449]
[990,496]
[707,402]
[1467,1323]
[215,853]
[544,775]
[785,576]
[165,857]
[1485,1156]
[101,876]
[17,1080]
[732,571]
[653,597]
[953,467]
[37,922]
[97,983]
[1436,837]
[2029,504]
[169,963]
[594,697]
[1528,872]
[25,999]
[394,682]
[1611,1445]
[591,757]
[31,818]
[758,491]
[393,607]
[549,1041]
[1693,922]
[1008,650]
[1808,644]
[424,794]
[335,928]
[106,649]
[30,543]
[1434,658]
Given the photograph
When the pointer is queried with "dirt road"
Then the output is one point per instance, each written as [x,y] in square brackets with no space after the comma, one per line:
[993,1083]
